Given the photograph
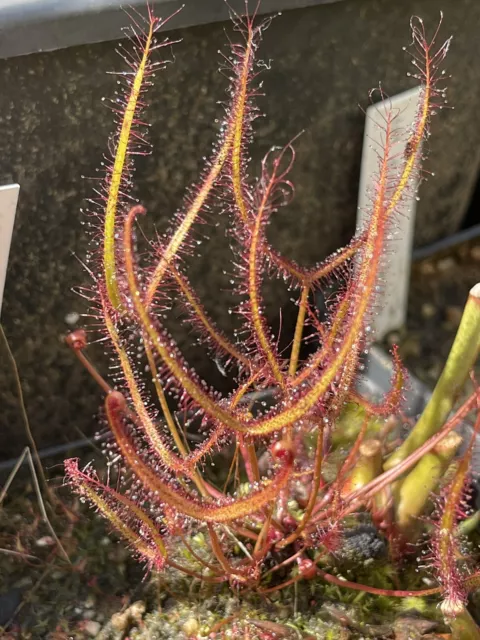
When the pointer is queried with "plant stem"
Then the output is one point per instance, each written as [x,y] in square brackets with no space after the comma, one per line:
[415,490]
[464,627]
[317,478]
[367,467]
[297,340]
[461,359]
[196,477]
[356,498]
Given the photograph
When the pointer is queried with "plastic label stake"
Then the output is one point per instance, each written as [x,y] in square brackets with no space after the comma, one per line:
[8,207]
[391,308]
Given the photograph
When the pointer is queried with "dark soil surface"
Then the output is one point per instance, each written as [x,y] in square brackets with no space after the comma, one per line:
[438,292]
[42,595]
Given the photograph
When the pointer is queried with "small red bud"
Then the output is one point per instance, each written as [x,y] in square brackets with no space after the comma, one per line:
[77,339]
[274,536]
[282,451]
[115,401]
[289,523]
[307,568]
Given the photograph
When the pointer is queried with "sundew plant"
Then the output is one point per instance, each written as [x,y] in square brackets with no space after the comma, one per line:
[292,495]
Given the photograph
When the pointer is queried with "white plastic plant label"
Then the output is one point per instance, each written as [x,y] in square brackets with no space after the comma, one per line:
[8,207]
[390,313]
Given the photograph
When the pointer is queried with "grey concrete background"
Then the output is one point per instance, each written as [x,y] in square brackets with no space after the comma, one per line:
[29,26]
[54,129]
